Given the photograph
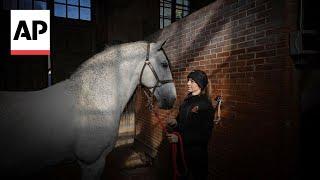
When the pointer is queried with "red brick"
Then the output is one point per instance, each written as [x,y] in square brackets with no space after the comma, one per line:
[212,56]
[229,2]
[257,9]
[247,32]
[263,14]
[223,22]
[223,65]
[257,22]
[263,27]
[240,63]
[264,67]
[266,54]
[255,49]
[247,19]
[246,56]
[229,70]
[245,5]
[216,50]
[238,16]
[227,48]
[203,53]
[255,61]
[238,40]
[245,69]
[246,44]
[238,51]
[204,62]
[223,54]
[223,43]
[229,36]
[199,58]
[256,35]
[237,75]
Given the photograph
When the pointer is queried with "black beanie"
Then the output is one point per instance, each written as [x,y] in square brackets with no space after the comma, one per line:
[199,77]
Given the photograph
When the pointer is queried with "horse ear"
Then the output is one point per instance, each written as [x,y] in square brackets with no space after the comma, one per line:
[159,44]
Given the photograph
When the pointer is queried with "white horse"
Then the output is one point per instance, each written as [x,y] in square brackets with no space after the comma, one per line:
[78,119]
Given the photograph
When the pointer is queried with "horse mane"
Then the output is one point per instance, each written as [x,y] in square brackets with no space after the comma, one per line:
[110,56]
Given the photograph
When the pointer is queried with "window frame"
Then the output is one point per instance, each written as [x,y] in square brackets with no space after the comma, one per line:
[18,5]
[78,6]
[173,6]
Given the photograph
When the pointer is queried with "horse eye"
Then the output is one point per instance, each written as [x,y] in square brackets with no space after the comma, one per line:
[164,64]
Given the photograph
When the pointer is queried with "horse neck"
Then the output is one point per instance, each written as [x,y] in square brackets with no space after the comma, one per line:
[130,71]
[122,70]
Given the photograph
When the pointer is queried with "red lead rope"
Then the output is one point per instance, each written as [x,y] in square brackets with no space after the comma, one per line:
[174,149]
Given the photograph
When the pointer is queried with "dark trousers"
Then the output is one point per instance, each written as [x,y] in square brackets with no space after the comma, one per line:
[197,163]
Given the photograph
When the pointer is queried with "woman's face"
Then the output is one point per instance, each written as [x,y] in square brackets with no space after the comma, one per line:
[193,86]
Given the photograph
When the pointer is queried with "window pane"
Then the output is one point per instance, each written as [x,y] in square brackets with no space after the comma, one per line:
[85,14]
[178,7]
[85,3]
[25,4]
[40,5]
[178,14]
[167,22]
[161,24]
[60,10]
[60,1]
[186,3]
[73,12]
[73,2]
[167,5]
[185,13]
[179,1]
[161,11]
[167,12]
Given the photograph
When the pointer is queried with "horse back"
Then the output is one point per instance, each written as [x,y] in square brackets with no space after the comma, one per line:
[36,126]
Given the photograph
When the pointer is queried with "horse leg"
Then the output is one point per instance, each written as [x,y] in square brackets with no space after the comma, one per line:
[94,170]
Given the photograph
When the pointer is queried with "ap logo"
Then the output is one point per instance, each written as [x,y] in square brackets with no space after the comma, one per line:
[30,32]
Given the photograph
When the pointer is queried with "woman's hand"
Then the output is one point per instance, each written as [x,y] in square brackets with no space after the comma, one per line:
[172,122]
[172,138]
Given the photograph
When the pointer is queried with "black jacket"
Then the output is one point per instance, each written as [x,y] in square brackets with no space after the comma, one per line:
[195,124]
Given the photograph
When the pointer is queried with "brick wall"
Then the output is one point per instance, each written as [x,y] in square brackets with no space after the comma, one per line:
[242,45]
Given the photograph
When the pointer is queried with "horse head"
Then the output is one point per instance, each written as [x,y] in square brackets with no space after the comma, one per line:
[156,76]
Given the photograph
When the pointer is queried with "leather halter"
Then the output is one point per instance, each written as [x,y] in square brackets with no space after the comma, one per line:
[159,82]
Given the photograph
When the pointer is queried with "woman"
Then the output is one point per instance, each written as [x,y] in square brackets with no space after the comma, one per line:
[194,123]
